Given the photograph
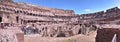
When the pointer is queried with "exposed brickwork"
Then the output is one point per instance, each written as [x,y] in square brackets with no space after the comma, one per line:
[20,37]
[106,34]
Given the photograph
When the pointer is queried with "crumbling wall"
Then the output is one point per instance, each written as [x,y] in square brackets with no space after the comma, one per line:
[60,30]
[20,37]
[7,35]
[106,34]
[115,9]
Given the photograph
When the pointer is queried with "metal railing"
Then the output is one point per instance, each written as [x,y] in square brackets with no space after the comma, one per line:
[114,39]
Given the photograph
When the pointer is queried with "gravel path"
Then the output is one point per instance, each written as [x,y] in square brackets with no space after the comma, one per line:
[76,38]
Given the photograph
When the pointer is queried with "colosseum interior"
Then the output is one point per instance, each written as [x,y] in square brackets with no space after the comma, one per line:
[22,22]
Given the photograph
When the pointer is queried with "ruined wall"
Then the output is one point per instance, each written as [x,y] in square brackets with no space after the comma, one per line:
[11,35]
[20,37]
[112,12]
[62,30]
[33,9]
[13,10]
[106,34]
[5,0]
[53,14]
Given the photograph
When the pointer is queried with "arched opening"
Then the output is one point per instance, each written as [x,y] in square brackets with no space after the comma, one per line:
[61,35]
[16,11]
[17,19]
[94,27]
[79,32]
[0,19]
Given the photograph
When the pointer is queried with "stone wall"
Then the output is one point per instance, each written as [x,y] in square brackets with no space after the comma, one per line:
[52,14]
[110,13]
[106,34]
[62,29]
[33,9]
[20,37]
[11,34]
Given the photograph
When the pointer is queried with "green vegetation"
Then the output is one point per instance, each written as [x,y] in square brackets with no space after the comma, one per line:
[70,40]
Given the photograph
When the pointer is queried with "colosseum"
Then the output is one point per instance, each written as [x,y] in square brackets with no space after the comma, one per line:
[22,22]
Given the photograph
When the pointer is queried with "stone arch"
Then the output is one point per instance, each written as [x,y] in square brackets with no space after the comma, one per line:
[17,19]
[0,19]
[17,11]
[94,27]
[61,35]
[79,31]
[30,13]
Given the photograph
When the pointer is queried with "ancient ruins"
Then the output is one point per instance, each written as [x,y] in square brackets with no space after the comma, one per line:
[18,20]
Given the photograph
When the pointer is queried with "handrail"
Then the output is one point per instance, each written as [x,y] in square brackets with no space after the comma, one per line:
[114,39]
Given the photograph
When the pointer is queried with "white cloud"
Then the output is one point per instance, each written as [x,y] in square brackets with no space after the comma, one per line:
[117,0]
[118,6]
[87,10]
[118,3]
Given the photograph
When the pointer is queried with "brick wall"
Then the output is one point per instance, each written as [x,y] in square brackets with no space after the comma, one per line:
[20,37]
[106,34]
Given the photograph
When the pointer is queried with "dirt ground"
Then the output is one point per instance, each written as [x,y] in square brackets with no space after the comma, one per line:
[76,38]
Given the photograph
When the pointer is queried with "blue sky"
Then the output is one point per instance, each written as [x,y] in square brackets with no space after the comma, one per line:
[79,6]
